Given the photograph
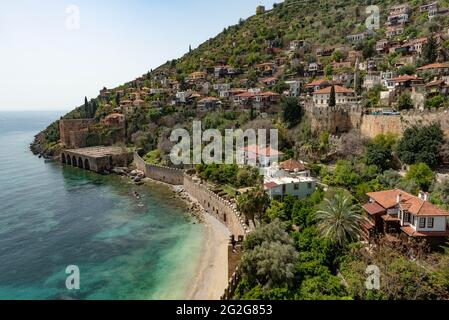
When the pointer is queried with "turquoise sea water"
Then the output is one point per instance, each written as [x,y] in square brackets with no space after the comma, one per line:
[53,216]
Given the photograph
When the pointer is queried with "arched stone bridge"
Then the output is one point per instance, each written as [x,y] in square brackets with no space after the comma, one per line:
[98,159]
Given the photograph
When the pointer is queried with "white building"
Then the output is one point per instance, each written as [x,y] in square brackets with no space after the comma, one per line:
[295,87]
[342,96]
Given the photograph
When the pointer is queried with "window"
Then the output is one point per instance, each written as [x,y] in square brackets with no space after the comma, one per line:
[406,217]
[284,189]
[422,222]
[296,186]
[430,223]
[309,185]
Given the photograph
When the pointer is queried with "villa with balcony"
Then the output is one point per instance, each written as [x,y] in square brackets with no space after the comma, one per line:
[400,214]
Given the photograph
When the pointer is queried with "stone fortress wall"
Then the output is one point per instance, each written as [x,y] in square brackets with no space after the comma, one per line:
[167,175]
[341,119]
[74,132]
[214,205]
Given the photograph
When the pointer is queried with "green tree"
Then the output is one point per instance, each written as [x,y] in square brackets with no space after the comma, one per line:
[422,175]
[268,261]
[292,111]
[430,50]
[253,203]
[379,155]
[405,102]
[339,220]
[421,144]
[332,100]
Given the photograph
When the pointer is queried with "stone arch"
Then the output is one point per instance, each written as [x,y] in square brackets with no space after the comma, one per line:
[74,162]
[80,163]
[86,164]
[69,160]
[63,159]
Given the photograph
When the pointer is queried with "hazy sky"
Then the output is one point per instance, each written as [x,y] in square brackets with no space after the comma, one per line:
[48,63]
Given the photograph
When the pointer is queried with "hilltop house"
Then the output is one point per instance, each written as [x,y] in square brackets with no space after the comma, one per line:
[270,81]
[396,212]
[393,31]
[266,69]
[280,183]
[399,14]
[261,157]
[313,69]
[353,38]
[343,96]
[436,69]
[294,88]
[297,44]
[404,82]
[382,45]
[372,79]
[317,85]
[208,103]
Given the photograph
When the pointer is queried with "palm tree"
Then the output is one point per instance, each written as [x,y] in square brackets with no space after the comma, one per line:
[339,220]
[253,203]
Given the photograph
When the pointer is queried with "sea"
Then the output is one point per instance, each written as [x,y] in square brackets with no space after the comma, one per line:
[70,234]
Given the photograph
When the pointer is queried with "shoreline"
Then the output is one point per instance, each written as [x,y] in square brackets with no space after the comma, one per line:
[211,277]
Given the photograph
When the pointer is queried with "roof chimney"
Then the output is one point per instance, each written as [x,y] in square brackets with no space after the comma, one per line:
[399,199]
[423,196]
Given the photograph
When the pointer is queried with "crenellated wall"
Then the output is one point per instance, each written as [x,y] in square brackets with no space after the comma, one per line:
[73,132]
[159,173]
[345,118]
[373,125]
[214,205]
[218,207]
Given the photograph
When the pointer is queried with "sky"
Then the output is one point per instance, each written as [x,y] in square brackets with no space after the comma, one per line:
[53,53]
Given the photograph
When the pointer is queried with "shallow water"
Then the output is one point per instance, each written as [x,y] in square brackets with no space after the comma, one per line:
[53,216]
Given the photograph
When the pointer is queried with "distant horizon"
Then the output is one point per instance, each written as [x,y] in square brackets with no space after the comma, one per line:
[51,59]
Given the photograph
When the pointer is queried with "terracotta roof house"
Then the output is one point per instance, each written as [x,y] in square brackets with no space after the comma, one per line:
[405,81]
[343,96]
[316,85]
[292,166]
[270,81]
[267,68]
[261,156]
[398,213]
[208,103]
[440,69]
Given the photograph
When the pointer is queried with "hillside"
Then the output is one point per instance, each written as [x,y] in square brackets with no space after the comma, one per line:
[362,116]
[281,44]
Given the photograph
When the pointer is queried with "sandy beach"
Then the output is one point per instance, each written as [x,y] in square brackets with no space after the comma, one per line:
[212,277]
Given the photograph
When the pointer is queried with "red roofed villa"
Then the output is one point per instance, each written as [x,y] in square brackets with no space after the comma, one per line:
[342,96]
[398,213]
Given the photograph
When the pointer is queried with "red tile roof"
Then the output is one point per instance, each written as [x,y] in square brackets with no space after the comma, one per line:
[434,66]
[267,151]
[338,89]
[270,185]
[406,78]
[317,83]
[413,233]
[389,199]
[373,208]
[209,99]
[292,165]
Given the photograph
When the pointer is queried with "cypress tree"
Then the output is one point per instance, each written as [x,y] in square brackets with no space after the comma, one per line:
[332,101]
